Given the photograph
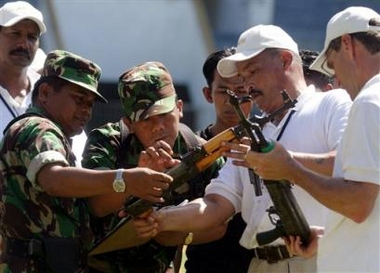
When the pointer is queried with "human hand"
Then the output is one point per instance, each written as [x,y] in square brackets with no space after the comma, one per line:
[147,226]
[277,164]
[147,184]
[237,151]
[295,246]
[158,157]
[152,222]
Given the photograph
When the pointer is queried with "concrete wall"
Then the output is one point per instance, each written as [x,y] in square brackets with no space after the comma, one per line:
[119,34]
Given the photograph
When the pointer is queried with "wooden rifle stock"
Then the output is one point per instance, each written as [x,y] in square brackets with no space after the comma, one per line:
[192,163]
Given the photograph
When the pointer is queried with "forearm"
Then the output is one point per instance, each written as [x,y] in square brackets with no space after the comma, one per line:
[319,163]
[209,235]
[75,182]
[170,238]
[354,200]
[199,215]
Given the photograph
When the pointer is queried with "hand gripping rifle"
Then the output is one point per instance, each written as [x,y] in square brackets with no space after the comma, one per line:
[285,213]
[200,158]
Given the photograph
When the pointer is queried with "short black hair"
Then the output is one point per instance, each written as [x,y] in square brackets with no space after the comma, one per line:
[54,81]
[211,62]
[308,57]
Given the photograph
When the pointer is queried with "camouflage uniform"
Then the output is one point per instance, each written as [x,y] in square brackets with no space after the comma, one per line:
[29,215]
[145,90]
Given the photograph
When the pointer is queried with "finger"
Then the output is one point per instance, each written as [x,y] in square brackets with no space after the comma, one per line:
[246,141]
[240,163]
[165,146]
[164,155]
[146,233]
[154,199]
[234,146]
[159,177]
[235,154]
[152,152]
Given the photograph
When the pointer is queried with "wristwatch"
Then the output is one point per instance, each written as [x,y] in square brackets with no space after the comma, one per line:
[188,239]
[118,184]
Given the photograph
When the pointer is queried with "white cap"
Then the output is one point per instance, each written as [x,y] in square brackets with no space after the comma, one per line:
[39,60]
[13,12]
[350,20]
[252,42]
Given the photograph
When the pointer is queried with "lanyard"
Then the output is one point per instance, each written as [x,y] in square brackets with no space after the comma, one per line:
[8,107]
[285,124]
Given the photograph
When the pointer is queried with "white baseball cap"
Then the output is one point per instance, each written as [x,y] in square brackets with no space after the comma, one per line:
[350,20]
[252,42]
[13,12]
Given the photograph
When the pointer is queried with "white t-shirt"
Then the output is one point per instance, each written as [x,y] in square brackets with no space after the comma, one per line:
[10,108]
[349,246]
[316,126]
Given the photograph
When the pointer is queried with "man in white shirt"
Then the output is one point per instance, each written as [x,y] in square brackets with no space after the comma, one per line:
[351,241]
[20,59]
[20,28]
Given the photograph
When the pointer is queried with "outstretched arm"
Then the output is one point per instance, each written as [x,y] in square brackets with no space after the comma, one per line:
[62,181]
[201,214]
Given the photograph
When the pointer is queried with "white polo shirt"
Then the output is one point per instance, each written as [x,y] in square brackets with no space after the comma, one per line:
[346,245]
[9,107]
[316,126]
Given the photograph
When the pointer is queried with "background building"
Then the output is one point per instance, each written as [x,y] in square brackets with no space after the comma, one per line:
[118,34]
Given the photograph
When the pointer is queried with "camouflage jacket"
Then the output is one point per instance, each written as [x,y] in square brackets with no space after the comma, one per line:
[103,151]
[27,211]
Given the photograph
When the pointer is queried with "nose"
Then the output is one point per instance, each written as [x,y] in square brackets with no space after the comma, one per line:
[248,86]
[23,41]
[158,124]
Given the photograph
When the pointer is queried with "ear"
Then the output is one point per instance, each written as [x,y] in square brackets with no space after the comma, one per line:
[347,43]
[286,58]
[128,123]
[207,93]
[180,108]
[328,87]
[44,91]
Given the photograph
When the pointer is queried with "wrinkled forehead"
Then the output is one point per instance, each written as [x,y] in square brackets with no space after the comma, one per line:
[237,80]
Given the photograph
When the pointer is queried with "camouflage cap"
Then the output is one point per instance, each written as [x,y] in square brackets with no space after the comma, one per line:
[75,69]
[146,90]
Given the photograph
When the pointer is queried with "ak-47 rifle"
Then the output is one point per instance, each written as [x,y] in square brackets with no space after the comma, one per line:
[202,157]
[285,213]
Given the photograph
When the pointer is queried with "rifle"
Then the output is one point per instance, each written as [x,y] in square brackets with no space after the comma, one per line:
[285,214]
[200,158]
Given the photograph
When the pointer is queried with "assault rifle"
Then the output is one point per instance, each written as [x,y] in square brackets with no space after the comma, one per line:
[285,213]
[202,157]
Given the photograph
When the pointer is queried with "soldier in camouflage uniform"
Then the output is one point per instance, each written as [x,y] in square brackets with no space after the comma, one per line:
[151,125]
[44,216]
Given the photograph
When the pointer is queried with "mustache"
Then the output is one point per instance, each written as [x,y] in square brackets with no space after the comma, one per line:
[254,91]
[20,51]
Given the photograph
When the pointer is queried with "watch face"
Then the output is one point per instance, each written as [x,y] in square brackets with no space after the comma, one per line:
[119,186]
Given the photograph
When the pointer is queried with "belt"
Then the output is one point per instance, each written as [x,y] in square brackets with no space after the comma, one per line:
[24,248]
[272,254]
